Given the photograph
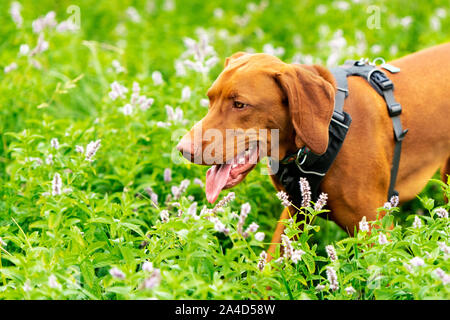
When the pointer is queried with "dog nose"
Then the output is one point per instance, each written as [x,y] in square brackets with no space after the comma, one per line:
[186,148]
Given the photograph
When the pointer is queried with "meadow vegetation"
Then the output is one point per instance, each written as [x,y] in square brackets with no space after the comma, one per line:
[94,96]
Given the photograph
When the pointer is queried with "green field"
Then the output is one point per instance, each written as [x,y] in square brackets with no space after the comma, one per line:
[87,172]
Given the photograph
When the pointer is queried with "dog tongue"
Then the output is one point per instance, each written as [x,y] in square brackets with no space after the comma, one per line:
[216,179]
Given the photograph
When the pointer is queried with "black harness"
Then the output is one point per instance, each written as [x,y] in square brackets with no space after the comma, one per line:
[304,163]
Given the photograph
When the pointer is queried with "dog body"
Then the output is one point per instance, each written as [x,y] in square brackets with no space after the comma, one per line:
[298,100]
[358,181]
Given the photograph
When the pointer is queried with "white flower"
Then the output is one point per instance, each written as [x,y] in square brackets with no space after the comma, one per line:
[34,159]
[393,50]
[287,244]
[245,210]
[435,23]
[306,192]
[49,159]
[133,14]
[26,286]
[442,275]
[259,236]
[332,278]
[289,251]
[204,102]
[387,205]
[341,5]
[444,248]
[79,149]
[218,13]
[252,228]
[10,67]
[180,70]
[350,290]
[262,260]
[147,266]
[198,182]
[164,214]
[56,185]
[167,175]
[14,11]
[53,282]
[331,253]
[127,109]
[283,198]
[41,46]
[24,49]
[157,78]
[321,9]
[417,222]
[394,201]
[67,190]
[406,21]
[363,225]
[117,90]
[270,49]
[142,101]
[382,239]
[320,287]
[67,25]
[169,5]
[204,56]
[54,143]
[43,22]
[185,94]
[136,87]
[153,281]
[174,115]
[241,21]
[321,202]
[117,273]
[417,262]
[297,255]
[91,149]
[117,66]
[219,226]
[441,212]
[441,13]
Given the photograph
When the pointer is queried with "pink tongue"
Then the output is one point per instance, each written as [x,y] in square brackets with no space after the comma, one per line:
[216,179]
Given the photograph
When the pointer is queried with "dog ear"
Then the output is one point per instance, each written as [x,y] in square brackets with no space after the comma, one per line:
[310,94]
[233,57]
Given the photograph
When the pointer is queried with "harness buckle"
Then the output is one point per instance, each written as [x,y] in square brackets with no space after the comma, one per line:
[302,153]
[394,110]
[381,80]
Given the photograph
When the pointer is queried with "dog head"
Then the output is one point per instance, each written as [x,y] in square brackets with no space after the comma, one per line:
[259,106]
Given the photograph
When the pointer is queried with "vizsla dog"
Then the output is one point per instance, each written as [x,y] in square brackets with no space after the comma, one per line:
[259,91]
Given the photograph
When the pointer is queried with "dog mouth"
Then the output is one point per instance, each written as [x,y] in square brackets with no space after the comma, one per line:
[229,174]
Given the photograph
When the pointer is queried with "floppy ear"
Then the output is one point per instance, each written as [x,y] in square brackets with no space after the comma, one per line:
[234,56]
[310,96]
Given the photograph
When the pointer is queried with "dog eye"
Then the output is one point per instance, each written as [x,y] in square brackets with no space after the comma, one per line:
[239,105]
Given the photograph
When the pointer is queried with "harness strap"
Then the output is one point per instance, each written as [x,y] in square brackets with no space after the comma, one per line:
[385,87]
[304,163]
[342,89]
[378,78]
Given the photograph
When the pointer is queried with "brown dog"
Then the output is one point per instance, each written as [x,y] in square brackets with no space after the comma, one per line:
[258,91]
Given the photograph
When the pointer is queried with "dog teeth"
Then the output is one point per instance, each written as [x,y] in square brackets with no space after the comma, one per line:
[234,165]
[241,160]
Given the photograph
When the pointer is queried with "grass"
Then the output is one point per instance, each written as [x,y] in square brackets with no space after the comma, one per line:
[92,237]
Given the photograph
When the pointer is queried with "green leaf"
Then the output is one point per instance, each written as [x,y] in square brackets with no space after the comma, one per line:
[309,262]
[87,270]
